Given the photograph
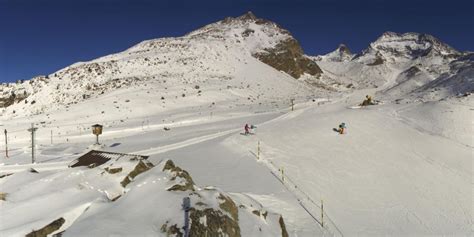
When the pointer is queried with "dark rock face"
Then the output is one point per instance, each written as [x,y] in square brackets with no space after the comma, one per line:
[113,170]
[48,229]
[229,206]
[287,56]
[247,16]
[284,233]
[172,230]
[412,71]
[217,224]
[178,172]
[224,222]
[7,100]
[140,168]
[3,196]
[377,61]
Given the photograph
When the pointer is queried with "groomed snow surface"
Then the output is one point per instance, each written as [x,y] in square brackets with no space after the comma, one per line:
[401,169]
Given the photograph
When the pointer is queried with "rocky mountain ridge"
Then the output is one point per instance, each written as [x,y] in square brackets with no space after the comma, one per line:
[403,65]
[240,48]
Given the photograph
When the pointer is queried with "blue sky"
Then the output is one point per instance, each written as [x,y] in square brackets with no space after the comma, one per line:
[41,36]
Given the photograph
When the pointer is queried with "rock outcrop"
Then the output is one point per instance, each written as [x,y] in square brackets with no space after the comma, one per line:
[288,56]
[48,229]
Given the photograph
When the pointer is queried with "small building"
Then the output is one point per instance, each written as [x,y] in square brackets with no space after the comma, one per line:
[95,158]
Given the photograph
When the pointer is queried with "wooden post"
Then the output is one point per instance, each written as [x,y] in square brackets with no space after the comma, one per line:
[6,143]
[322,213]
[32,130]
[292,104]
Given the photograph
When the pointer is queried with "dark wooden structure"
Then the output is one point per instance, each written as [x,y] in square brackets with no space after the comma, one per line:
[95,158]
[97,130]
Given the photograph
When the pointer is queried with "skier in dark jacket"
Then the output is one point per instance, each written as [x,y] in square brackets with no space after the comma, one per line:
[247,129]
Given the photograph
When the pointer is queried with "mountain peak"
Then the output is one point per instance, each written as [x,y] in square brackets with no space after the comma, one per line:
[341,54]
[248,16]
[410,45]
[390,34]
[343,49]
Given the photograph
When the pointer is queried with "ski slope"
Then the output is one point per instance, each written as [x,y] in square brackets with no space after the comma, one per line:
[395,172]
[386,176]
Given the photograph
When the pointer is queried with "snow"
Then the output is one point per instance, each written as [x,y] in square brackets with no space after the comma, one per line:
[393,172]
[383,176]
[402,168]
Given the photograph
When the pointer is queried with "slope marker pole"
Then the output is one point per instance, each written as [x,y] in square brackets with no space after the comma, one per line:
[6,143]
[32,130]
[322,213]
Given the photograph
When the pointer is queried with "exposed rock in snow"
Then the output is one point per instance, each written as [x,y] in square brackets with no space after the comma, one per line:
[288,56]
[147,197]
[48,229]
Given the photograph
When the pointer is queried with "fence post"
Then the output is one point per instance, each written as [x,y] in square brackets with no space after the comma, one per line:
[322,213]
[32,130]
[6,144]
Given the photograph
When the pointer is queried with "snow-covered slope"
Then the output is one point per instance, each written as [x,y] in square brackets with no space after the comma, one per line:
[399,170]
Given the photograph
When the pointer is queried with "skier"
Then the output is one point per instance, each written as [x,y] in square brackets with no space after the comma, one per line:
[367,101]
[247,129]
[342,127]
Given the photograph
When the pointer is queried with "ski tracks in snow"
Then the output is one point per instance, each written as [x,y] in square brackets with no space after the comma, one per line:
[189,142]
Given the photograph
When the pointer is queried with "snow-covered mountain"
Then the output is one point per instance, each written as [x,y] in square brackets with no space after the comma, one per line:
[341,54]
[403,65]
[244,56]
[247,56]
